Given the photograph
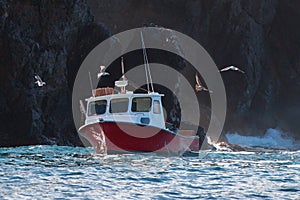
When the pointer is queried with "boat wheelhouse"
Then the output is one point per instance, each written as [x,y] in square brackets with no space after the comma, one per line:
[140,109]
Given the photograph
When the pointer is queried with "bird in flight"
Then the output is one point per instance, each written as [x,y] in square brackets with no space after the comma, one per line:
[102,72]
[233,68]
[199,87]
[39,81]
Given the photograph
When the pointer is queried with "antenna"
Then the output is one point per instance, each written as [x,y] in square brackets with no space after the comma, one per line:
[123,83]
[91,83]
[147,67]
[122,65]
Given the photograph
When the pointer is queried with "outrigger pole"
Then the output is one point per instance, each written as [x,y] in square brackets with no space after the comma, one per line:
[91,83]
[147,67]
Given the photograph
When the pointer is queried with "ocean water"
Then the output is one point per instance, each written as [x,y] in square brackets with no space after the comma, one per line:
[57,172]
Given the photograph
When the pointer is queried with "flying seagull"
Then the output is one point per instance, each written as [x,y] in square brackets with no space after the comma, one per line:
[233,68]
[39,81]
[199,87]
[102,72]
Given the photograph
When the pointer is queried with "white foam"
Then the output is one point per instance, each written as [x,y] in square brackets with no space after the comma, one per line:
[273,138]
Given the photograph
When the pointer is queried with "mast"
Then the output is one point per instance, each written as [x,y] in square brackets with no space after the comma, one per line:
[122,65]
[124,82]
[123,89]
[91,84]
[147,67]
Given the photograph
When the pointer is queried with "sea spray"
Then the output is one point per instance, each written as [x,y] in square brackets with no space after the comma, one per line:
[273,138]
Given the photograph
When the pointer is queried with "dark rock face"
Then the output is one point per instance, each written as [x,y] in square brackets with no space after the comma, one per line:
[52,38]
[262,37]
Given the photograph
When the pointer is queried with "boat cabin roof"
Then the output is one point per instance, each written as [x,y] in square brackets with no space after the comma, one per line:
[128,94]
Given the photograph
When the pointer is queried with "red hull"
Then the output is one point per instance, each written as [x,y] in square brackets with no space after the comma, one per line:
[126,137]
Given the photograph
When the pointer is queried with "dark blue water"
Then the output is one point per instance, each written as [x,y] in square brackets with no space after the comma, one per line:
[64,172]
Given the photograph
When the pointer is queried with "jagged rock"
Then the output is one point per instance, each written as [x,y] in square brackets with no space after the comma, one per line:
[227,146]
[50,38]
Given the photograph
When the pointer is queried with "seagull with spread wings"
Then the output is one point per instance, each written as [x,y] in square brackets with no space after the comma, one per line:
[39,81]
[199,87]
[102,72]
[232,68]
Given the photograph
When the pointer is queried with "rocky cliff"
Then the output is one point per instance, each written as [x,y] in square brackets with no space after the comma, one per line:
[52,38]
[262,37]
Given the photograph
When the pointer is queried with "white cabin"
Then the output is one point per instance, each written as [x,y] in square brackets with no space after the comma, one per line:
[128,107]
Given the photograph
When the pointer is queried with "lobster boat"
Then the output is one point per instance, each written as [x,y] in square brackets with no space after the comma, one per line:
[121,121]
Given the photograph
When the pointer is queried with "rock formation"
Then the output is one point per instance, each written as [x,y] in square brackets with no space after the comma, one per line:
[262,37]
[52,38]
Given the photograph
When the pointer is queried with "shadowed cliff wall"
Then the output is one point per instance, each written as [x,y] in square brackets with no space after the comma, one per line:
[52,38]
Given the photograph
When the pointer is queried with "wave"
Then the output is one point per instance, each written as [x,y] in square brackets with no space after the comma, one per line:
[273,138]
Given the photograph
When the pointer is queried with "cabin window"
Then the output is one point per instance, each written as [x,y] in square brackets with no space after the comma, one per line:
[97,107]
[156,107]
[141,104]
[119,105]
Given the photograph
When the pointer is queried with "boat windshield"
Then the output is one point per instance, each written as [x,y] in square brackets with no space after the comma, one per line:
[119,105]
[97,107]
[141,104]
